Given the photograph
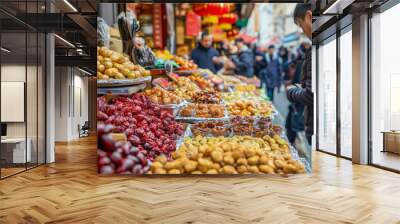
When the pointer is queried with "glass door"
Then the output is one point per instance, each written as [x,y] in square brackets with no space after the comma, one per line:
[385,89]
[346,93]
[327,96]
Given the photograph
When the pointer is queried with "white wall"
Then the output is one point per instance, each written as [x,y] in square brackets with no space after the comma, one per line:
[71,94]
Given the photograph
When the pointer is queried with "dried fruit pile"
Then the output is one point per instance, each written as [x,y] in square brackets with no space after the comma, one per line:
[203,110]
[220,155]
[211,128]
[147,126]
[201,82]
[206,97]
[118,156]
[161,96]
[250,108]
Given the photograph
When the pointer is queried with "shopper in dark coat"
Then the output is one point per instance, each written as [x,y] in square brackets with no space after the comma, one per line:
[205,56]
[303,94]
[244,62]
[260,63]
[272,73]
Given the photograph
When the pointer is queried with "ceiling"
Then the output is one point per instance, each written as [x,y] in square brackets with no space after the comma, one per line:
[328,16]
[73,20]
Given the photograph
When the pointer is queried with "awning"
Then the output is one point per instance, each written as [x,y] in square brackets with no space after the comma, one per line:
[291,37]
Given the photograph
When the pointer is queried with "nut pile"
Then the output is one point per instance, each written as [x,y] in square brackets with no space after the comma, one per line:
[235,155]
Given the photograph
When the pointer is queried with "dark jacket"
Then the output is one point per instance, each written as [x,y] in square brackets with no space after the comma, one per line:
[272,73]
[305,95]
[203,57]
[259,65]
[244,63]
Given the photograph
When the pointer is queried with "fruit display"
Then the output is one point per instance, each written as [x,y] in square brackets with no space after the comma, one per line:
[234,96]
[205,97]
[242,125]
[165,54]
[264,108]
[230,80]
[232,155]
[245,88]
[242,108]
[250,108]
[113,65]
[184,88]
[119,157]
[183,63]
[147,126]
[201,82]
[160,96]
[162,82]
[207,74]
[211,129]
[203,110]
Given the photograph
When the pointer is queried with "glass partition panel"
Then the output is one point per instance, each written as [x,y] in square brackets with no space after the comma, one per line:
[32,98]
[327,97]
[346,94]
[14,146]
[385,85]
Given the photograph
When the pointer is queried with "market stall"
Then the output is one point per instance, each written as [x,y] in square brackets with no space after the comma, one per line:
[173,118]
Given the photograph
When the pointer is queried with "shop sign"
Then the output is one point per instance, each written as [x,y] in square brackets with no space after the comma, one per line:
[193,24]
[157,26]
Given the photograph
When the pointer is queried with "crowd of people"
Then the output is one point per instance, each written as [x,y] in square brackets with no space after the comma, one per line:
[274,66]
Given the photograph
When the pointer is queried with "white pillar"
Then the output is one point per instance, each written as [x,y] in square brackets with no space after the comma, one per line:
[360,90]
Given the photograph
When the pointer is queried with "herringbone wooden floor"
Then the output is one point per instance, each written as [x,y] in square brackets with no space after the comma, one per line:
[70,191]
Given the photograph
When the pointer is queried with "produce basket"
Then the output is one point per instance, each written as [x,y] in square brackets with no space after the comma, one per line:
[122,82]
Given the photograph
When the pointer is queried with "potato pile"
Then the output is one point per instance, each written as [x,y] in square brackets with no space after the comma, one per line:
[113,65]
[234,155]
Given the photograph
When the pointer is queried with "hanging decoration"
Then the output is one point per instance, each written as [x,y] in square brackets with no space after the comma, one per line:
[225,26]
[205,9]
[230,18]
[210,20]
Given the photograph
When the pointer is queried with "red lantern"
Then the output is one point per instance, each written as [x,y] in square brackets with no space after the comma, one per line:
[211,8]
[230,18]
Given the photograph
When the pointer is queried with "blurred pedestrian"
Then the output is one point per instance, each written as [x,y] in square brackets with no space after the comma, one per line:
[260,63]
[244,61]
[303,93]
[272,73]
